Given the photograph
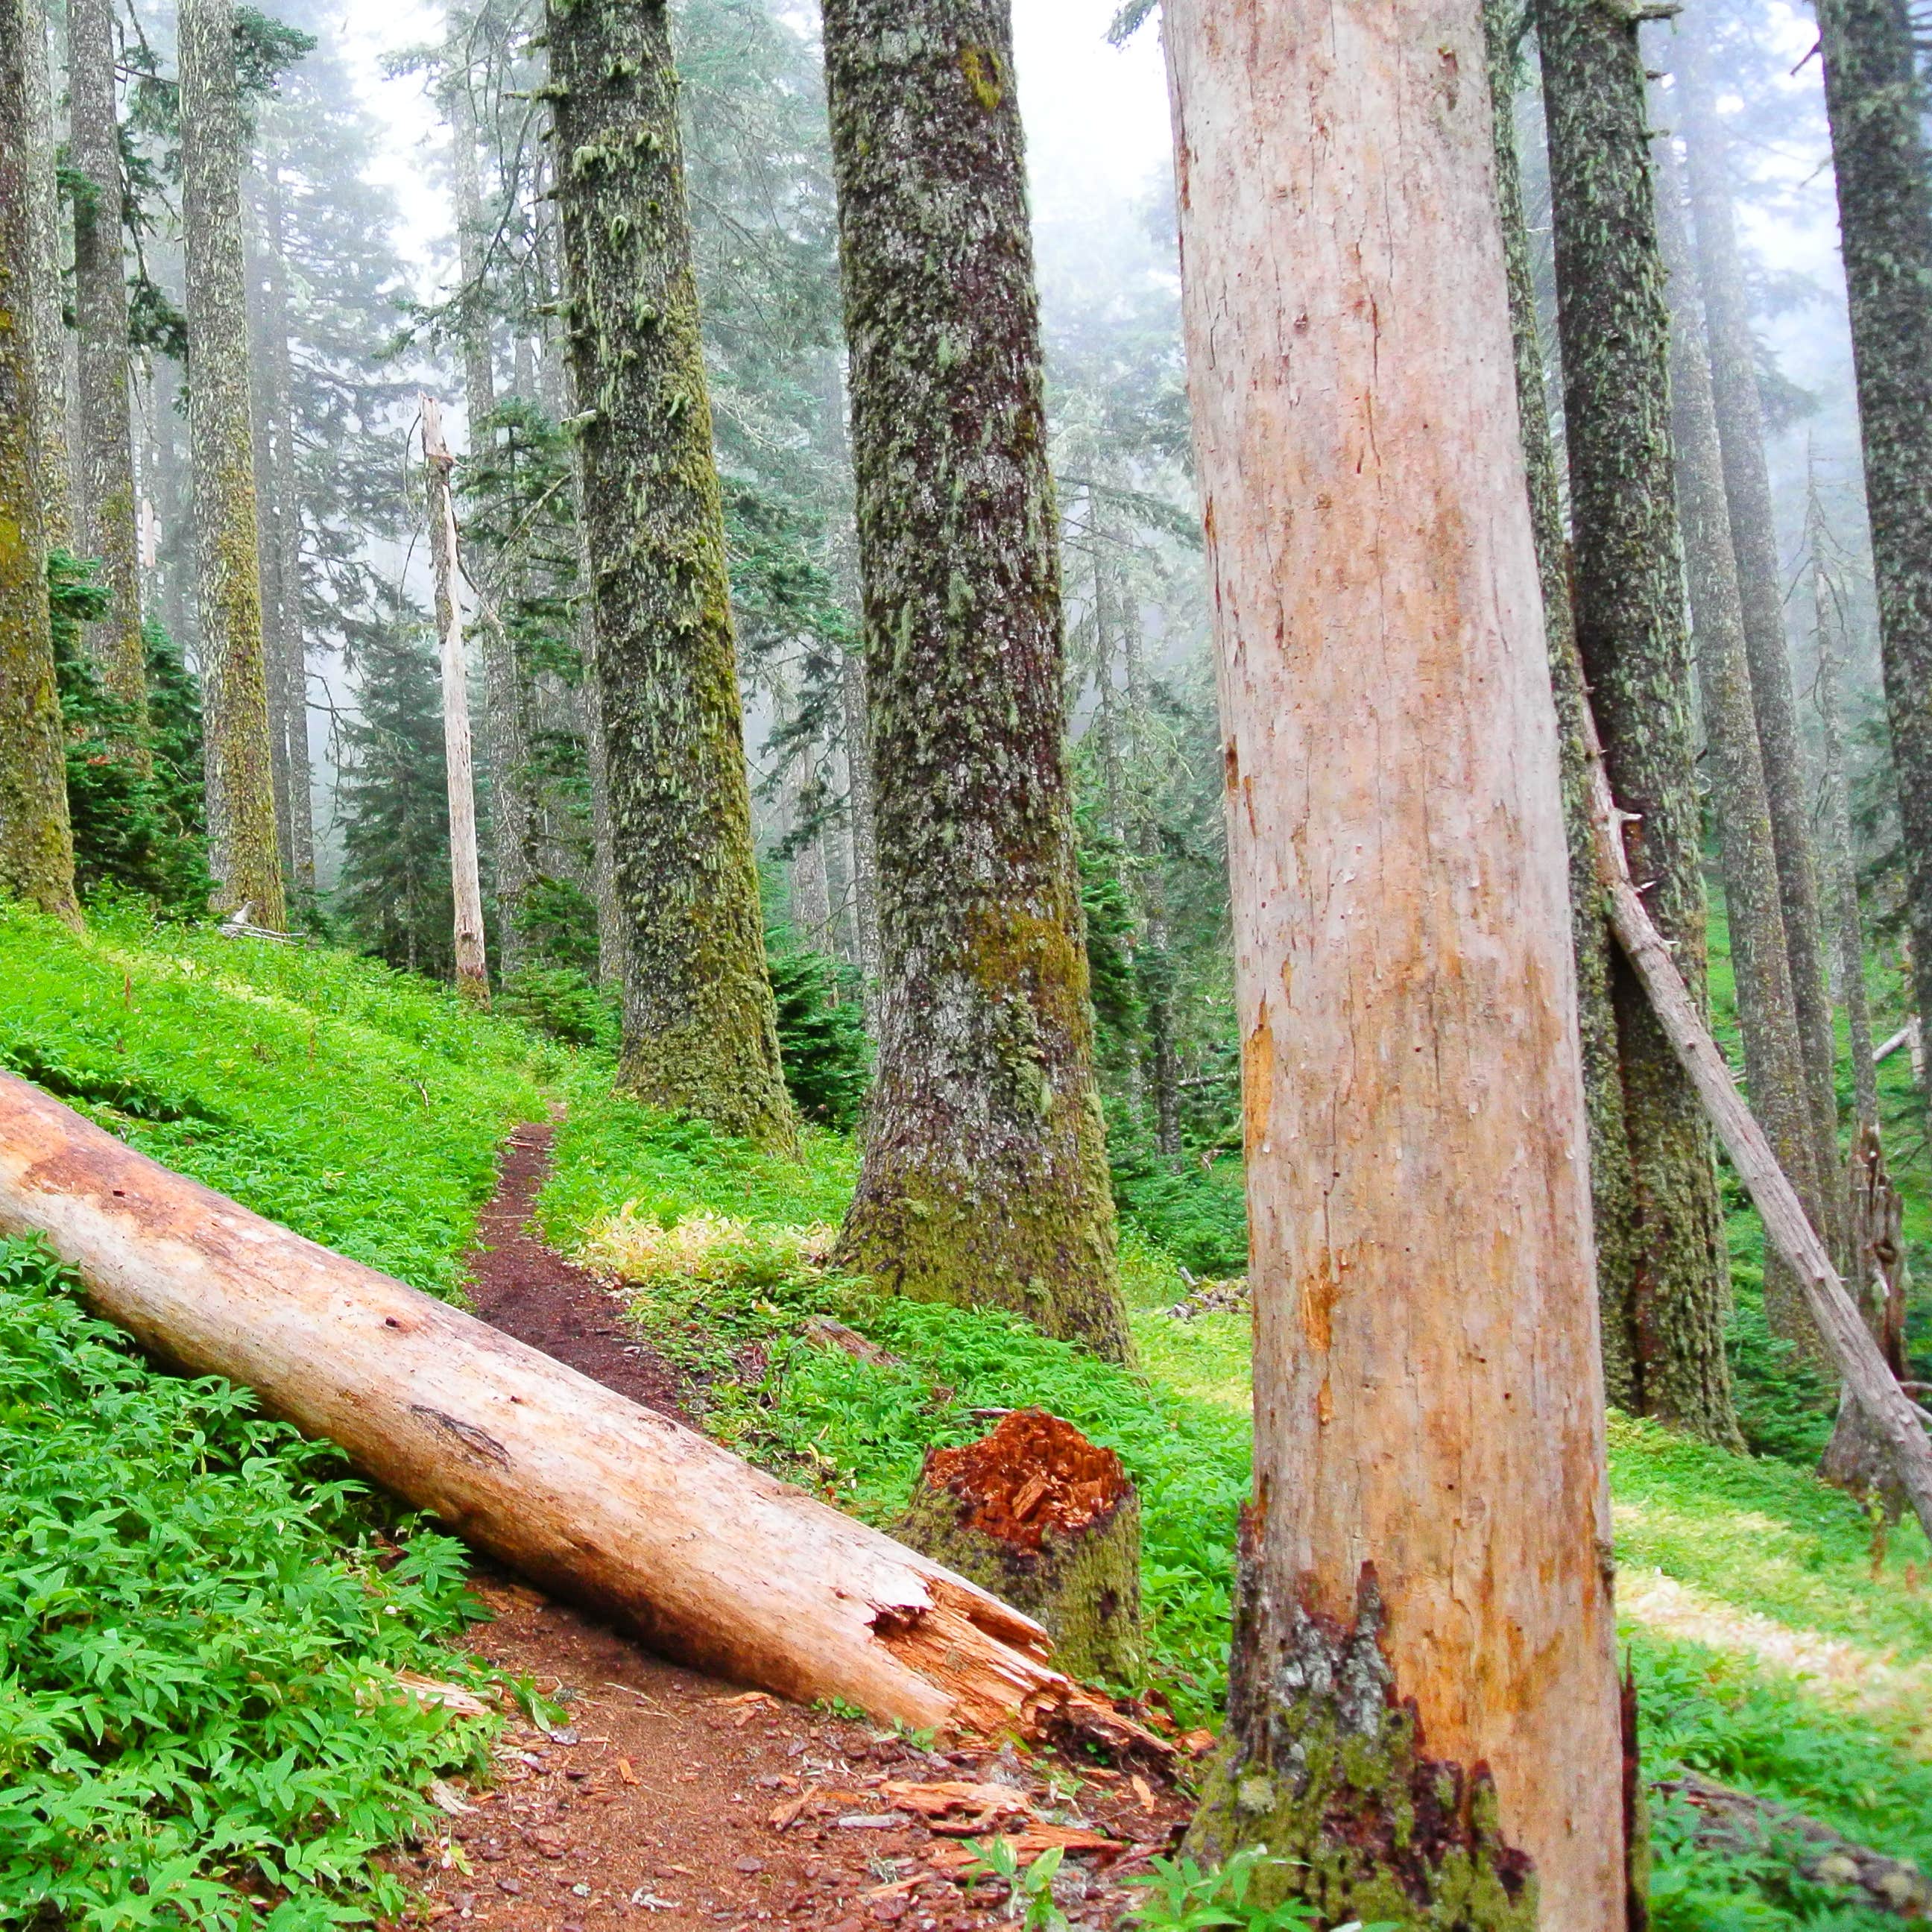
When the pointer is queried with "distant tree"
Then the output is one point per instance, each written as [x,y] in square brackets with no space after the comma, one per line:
[1663,1350]
[36,843]
[101,314]
[700,1029]
[1738,412]
[242,846]
[40,182]
[395,893]
[1875,102]
[984,1180]
[1424,1705]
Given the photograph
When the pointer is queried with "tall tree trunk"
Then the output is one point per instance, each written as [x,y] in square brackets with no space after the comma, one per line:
[1612,1182]
[41,143]
[1873,101]
[1774,1069]
[1423,1712]
[172,503]
[985,1176]
[268,532]
[1740,423]
[36,844]
[289,643]
[101,315]
[472,973]
[811,895]
[513,811]
[1160,1072]
[1628,602]
[701,1029]
[865,838]
[1841,863]
[242,852]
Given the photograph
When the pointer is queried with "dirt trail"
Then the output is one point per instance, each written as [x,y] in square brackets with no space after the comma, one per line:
[676,1801]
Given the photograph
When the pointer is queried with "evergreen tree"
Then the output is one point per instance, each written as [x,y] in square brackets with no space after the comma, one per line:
[394,891]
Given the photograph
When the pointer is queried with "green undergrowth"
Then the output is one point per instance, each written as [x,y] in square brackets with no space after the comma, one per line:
[361,1107]
[201,1620]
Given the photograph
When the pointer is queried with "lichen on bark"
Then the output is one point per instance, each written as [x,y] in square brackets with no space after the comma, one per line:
[36,844]
[1628,596]
[243,852]
[700,1030]
[984,1177]
[1613,1206]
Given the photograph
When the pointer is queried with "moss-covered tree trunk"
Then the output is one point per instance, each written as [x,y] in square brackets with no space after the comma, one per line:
[1613,1199]
[1760,573]
[290,630]
[42,141]
[1878,158]
[100,317]
[241,844]
[1775,1071]
[700,1030]
[513,810]
[1627,596]
[268,528]
[36,845]
[984,1177]
[1423,1722]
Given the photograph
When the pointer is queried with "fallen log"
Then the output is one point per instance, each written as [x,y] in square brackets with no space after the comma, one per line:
[707,1559]
[1892,1418]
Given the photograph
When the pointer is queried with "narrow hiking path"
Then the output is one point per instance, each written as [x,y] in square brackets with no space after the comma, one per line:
[674,1800]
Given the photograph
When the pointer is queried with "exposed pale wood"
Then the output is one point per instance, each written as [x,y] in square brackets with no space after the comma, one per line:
[1431,1511]
[1891,1416]
[472,974]
[1906,1036]
[708,1559]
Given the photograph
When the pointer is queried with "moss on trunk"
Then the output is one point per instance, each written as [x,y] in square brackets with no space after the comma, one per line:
[700,1030]
[985,1178]
[36,845]
[1628,586]
[1613,1199]
[1873,100]
[242,850]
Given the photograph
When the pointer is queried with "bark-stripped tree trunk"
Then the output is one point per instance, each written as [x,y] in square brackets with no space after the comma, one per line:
[288,531]
[241,847]
[1424,1707]
[1774,1069]
[1628,602]
[101,316]
[985,1176]
[1873,101]
[472,973]
[36,844]
[41,142]
[1613,1207]
[513,811]
[700,1030]
[1740,423]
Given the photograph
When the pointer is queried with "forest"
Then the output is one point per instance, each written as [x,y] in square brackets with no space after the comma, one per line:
[961,965]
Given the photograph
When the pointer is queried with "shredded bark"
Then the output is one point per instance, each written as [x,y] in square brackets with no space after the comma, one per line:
[1033,1473]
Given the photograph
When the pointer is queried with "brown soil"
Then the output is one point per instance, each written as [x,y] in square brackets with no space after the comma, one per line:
[675,1801]
[1033,1473]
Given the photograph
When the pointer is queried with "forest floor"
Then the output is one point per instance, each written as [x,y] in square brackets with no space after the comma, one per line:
[1782,1642]
[672,1799]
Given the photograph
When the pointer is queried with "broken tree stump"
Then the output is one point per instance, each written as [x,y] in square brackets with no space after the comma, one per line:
[1049,1522]
[708,1560]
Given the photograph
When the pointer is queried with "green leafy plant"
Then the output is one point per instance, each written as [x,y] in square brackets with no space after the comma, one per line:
[1181,1896]
[1029,1887]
